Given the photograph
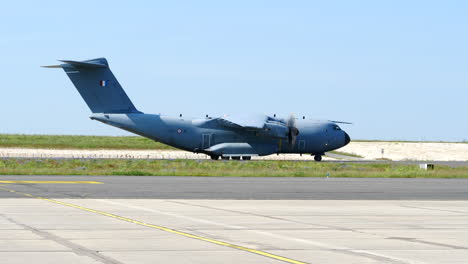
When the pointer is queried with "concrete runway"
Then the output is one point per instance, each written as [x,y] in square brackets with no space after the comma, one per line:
[151,187]
[224,220]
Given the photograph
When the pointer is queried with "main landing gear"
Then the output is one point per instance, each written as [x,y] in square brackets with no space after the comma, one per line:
[216,157]
[318,157]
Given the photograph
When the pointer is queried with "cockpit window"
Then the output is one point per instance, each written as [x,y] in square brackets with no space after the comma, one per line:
[337,128]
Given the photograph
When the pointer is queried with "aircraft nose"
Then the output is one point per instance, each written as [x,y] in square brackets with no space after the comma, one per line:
[347,139]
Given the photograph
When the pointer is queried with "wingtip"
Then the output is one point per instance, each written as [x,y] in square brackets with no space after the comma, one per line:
[51,66]
[341,122]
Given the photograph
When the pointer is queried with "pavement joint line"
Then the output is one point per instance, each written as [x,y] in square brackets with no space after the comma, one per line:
[410,239]
[75,248]
[361,253]
[433,209]
[53,182]
[169,230]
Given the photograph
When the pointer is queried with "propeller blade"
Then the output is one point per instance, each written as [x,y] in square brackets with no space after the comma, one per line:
[293,131]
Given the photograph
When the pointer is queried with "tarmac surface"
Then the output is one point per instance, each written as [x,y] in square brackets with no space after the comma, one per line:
[279,188]
[119,219]
[373,150]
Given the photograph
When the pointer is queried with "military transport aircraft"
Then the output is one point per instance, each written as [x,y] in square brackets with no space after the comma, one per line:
[226,137]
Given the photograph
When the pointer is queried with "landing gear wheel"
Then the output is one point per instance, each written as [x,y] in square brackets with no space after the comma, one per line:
[225,158]
[235,158]
[318,157]
[246,157]
[214,157]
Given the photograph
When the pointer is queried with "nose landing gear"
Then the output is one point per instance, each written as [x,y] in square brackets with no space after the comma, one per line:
[318,158]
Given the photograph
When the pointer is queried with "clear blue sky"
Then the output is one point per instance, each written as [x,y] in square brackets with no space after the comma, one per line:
[397,69]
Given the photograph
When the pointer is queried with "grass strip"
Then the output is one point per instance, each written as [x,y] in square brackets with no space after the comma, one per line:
[221,168]
[79,142]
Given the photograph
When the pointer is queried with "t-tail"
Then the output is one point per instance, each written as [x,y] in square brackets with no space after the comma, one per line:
[97,85]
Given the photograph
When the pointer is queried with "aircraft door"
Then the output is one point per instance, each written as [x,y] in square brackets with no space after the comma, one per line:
[206,141]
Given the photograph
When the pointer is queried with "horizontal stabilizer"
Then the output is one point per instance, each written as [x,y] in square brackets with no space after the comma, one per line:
[89,64]
[96,63]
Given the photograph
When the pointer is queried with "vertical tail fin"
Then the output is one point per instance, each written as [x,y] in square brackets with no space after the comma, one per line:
[97,85]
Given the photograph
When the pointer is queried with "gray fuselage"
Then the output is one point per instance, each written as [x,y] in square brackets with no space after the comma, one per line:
[226,137]
[204,135]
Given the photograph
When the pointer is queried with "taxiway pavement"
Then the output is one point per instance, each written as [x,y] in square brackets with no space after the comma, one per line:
[88,219]
[277,188]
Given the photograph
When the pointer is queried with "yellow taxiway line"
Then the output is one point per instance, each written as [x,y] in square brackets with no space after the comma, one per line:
[54,182]
[169,230]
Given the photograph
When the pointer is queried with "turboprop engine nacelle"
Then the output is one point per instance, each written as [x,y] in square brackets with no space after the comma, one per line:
[276,130]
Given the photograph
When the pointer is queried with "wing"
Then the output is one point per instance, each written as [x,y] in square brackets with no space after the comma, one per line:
[341,122]
[261,124]
[252,122]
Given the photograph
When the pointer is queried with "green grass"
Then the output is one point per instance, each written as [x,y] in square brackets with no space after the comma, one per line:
[221,168]
[78,142]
